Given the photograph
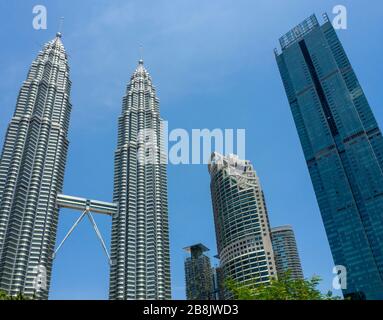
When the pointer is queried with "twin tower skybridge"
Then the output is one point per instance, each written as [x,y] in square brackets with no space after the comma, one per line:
[87,206]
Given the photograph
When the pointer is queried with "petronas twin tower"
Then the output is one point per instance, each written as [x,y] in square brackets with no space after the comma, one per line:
[32,166]
[140,237]
[32,171]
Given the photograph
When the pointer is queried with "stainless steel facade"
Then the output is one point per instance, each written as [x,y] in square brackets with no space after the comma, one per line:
[32,168]
[140,237]
[31,174]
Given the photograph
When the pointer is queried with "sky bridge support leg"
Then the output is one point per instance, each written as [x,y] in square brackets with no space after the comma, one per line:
[98,233]
[69,233]
[90,216]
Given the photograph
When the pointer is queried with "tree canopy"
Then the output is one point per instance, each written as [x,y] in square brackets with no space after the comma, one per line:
[283,288]
[5,296]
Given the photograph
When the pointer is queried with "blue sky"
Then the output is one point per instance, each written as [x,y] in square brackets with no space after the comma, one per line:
[213,65]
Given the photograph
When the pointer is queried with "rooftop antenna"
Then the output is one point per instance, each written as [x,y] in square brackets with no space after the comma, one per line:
[61,23]
[141,53]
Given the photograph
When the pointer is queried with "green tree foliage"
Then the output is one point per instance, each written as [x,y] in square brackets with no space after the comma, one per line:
[283,288]
[19,296]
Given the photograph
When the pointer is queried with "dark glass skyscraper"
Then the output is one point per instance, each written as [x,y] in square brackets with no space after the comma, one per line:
[343,147]
[198,274]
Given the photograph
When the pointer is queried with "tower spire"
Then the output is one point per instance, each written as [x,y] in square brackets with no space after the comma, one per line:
[141,61]
[61,24]
[142,218]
